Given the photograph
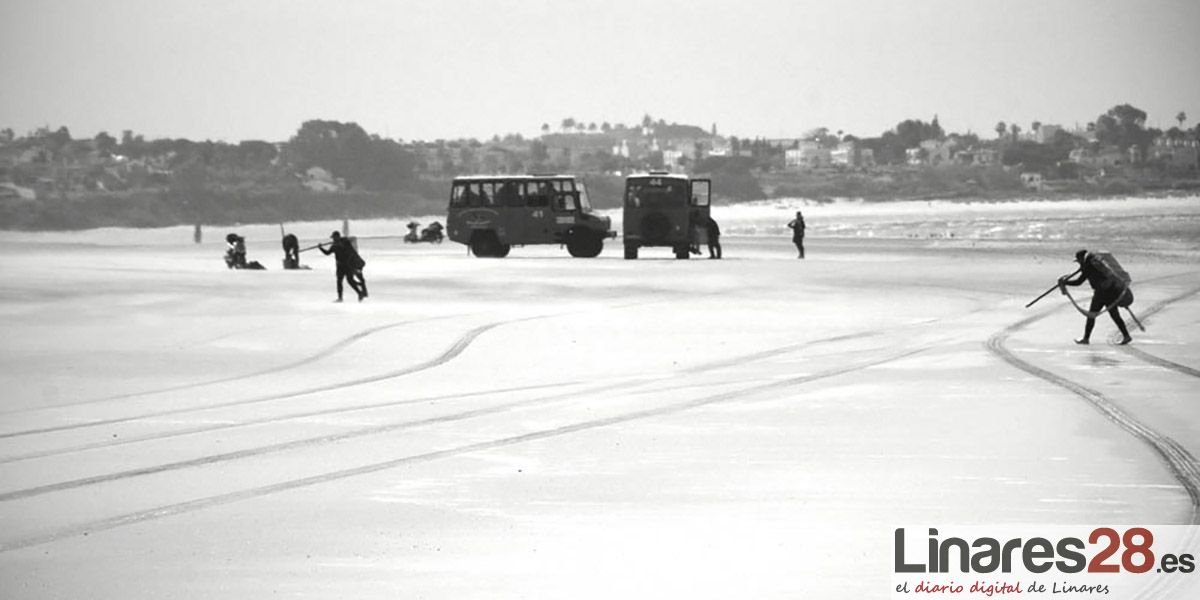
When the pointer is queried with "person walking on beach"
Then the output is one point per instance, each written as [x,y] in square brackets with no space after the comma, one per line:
[714,237]
[349,265]
[797,227]
[1107,292]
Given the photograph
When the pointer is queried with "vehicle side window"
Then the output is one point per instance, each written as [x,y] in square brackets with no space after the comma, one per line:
[565,202]
[484,194]
[509,194]
[537,194]
[460,195]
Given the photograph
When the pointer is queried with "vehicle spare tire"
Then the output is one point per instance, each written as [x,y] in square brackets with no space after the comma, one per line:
[655,228]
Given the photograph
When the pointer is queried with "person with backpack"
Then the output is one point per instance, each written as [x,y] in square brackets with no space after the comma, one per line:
[349,265]
[1110,290]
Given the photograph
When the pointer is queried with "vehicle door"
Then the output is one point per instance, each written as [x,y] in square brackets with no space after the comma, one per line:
[566,205]
[701,196]
[539,218]
[631,213]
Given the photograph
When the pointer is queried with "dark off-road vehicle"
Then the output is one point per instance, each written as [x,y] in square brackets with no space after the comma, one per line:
[493,213]
[665,209]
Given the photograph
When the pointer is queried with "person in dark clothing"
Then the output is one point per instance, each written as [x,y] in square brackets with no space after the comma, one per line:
[235,251]
[349,265]
[714,237]
[235,254]
[697,232]
[291,252]
[797,227]
[1107,292]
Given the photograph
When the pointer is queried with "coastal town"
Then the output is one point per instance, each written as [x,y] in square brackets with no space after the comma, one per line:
[47,175]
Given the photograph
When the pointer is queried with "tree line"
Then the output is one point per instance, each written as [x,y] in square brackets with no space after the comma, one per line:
[187,179]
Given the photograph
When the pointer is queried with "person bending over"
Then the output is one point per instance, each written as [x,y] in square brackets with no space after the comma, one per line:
[1107,292]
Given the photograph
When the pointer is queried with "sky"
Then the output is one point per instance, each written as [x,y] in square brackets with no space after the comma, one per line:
[236,70]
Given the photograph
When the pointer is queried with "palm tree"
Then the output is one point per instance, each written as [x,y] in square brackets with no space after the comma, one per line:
[1001,128]
[1181,117]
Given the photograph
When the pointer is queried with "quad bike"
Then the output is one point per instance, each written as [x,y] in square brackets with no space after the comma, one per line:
[432,234]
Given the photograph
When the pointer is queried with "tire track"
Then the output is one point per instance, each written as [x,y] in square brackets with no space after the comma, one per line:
[217,500]
[332,349]
[453,352]
[1159,587]
[264,420]
[1158,361]
[317,389]
[748,358]
[1179,460]
[376,429]
[457,348]
[703,367]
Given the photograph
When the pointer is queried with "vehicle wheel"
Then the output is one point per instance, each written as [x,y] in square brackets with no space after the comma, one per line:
[682,253]
[502,250]
[485,245]
[631,251]
[584,243]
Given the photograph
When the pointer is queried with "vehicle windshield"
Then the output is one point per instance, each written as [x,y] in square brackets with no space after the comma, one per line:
[656,193]
[584,203]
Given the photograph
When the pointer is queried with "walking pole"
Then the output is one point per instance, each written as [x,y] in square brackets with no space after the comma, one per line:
[1034,301]
[1052,288]
[1135,319]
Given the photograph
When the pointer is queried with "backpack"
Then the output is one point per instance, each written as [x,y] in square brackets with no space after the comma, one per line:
[1109,268]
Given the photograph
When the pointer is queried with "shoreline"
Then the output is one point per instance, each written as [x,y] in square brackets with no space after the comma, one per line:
[803,201]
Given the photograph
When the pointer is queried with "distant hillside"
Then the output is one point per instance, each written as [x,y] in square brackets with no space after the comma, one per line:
[331,169]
